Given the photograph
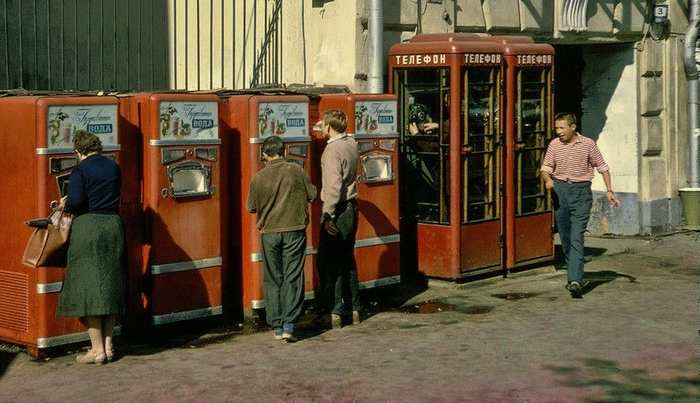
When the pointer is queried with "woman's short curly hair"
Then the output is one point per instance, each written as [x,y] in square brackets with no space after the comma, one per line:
[86,142]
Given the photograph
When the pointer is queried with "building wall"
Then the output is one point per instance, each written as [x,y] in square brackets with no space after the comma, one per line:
[609,83]
[110,45]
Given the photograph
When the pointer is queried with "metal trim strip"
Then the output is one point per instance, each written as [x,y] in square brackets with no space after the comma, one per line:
[294,139]
[257,256]
[48,288]
[375,136]
[362,243]
[380,282]
[199,142]
[45,342]
[187,315]
[184,266]
[68,150]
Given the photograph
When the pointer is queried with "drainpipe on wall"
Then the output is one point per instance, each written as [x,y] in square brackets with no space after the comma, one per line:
[690,196]
[691,74]
[375,76]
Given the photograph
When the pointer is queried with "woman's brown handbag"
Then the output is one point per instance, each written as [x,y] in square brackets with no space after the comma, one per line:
[48,245]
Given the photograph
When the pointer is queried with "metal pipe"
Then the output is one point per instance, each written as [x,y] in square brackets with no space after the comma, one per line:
[419,17]
[691,73]
[375,76]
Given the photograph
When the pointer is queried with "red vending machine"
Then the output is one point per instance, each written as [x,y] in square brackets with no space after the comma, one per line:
[249,118]
[184,232]
[529,80]
[38,131]
[372,120]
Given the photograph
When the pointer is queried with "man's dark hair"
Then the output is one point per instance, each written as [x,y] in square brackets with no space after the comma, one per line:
[569,117]
[273,146]
[86,142]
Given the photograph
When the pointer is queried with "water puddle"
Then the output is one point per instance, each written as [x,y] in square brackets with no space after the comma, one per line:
[439,306]
[428,307]
[514,296]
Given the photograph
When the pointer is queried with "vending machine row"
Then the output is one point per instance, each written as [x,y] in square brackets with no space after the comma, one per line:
[186,160]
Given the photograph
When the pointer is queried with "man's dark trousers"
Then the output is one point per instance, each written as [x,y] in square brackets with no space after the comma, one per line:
[336,260]
[283,258]
[575,201]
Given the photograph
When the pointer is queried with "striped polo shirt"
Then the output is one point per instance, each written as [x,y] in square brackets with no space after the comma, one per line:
[573,162]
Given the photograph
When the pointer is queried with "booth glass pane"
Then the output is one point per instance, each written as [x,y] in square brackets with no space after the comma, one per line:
[424,113]
[533,110]
[480,166]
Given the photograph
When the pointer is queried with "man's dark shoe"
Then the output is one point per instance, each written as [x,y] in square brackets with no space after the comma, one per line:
[289,337]
[575,289]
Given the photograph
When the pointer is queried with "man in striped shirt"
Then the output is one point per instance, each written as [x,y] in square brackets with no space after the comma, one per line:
[568,169]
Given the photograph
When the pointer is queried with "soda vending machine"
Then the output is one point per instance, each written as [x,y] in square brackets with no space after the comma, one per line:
[37,131]
[183,224]
[529,82]
[249,118]
[372,121]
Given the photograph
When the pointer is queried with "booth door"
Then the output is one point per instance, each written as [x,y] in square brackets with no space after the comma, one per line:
[533,213]
[424,102]
[481,168]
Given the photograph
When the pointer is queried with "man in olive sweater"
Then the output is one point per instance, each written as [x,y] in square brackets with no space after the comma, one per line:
[279,194]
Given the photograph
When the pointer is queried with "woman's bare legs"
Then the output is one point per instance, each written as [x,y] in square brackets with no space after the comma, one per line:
[97,352]
[94,324]
[108,322]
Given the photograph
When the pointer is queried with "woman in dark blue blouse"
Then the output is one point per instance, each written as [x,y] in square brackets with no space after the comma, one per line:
[94,288]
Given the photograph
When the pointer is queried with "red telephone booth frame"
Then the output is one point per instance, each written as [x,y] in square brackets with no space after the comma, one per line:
[529,236]
[461,249]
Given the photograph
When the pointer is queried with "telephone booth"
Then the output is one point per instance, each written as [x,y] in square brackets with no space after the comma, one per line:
[249,118]
[183,225]
[528,127]
[372,120]
[37,131]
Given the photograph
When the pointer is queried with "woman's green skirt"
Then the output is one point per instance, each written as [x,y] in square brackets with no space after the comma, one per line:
[95,282]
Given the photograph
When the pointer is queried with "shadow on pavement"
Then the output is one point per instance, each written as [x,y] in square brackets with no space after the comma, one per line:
[624,384]
[588,254]
[594,279]
[6,358]
[374,301]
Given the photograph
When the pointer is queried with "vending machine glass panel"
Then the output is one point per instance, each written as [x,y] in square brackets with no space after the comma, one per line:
[376,167]
[170,155]
[208,154]
[60,164]
[189,179]
[533,128]
[479,154]
[424,99]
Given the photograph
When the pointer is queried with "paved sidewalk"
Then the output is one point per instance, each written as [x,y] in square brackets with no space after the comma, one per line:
[633,337]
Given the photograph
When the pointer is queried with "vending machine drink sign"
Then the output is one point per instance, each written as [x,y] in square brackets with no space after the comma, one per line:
[188,120]
[65,120]
[283,119]
[375,117]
